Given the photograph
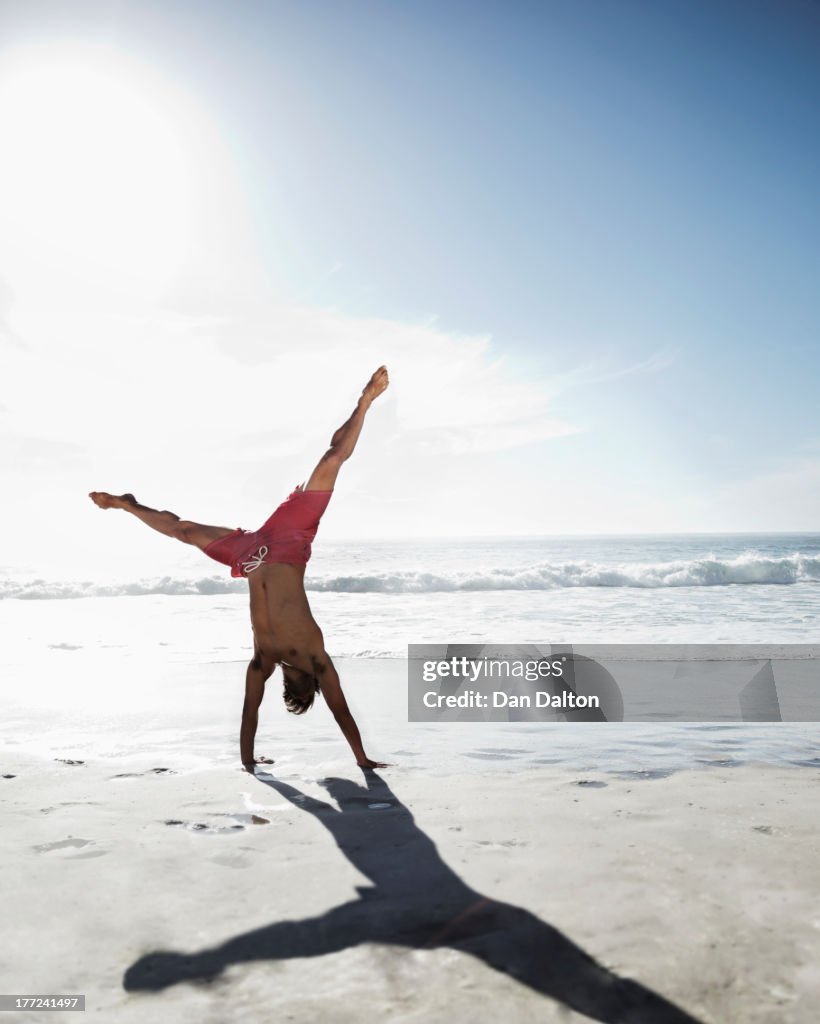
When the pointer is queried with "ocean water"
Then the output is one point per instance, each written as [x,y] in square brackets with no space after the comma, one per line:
[373,599]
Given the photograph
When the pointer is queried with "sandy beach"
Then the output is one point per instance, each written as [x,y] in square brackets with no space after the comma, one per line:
[465,349]
[474,879]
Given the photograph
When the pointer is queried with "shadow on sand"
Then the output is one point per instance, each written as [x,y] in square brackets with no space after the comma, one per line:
[416,901]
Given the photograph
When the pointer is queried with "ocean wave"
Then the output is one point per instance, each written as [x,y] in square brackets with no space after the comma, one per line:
[45,590]
[744,570]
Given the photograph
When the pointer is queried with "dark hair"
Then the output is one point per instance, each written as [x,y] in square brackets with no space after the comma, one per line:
[300,691]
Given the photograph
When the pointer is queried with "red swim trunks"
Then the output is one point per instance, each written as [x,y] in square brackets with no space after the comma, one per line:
[285,537]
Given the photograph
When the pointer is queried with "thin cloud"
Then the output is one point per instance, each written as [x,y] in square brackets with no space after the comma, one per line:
[452,393]
[596,372]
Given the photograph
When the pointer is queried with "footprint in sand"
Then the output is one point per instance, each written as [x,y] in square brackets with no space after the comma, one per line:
[240,821]
[365,801]
[248,819]
[67,760]
[70,847]
[69,803]
[9,776]
[590,784]
[139,775]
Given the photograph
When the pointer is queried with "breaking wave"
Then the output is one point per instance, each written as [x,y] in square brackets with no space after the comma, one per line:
[43,590]
[744,570]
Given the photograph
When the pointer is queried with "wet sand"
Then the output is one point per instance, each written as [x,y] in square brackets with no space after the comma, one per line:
[145,870]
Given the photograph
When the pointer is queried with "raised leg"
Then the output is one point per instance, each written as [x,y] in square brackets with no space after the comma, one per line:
[163,522]
[323,477]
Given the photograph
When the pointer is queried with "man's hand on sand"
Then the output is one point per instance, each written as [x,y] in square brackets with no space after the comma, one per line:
[367,763]
[250,766]
[376,385]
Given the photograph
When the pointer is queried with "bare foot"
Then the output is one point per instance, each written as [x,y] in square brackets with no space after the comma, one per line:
[376,385]
[104,500]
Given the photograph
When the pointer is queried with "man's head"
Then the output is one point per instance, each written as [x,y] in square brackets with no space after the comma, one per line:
[300,689]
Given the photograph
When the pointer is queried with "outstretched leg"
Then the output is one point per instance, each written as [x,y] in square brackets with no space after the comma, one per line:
[164,522]
[344,440]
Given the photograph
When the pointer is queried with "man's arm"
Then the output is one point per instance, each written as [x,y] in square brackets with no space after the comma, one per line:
[254,692]
[331,689]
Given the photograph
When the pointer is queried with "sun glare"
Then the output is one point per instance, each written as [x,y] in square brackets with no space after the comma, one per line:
[94,187]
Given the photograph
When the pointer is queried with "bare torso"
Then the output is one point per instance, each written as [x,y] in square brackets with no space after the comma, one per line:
[284,629]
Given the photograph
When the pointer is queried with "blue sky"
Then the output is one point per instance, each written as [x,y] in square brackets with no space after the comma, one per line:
[614,202]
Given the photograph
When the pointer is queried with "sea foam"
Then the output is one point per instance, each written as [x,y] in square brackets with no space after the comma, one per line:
[746,569]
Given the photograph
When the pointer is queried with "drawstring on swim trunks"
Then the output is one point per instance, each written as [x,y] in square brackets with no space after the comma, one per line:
[256,560]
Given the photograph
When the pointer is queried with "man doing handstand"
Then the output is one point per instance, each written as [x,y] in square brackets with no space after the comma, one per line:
[273,560]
